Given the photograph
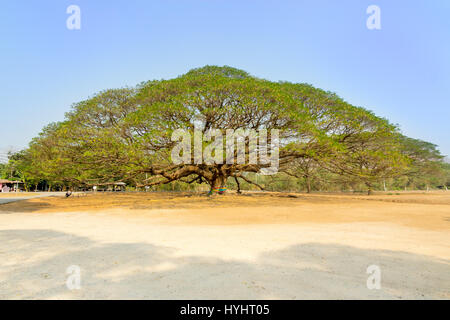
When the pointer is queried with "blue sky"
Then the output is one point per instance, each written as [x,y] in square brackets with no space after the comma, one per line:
[401,72]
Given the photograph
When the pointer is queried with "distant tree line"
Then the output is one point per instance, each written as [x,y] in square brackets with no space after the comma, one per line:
[326,144]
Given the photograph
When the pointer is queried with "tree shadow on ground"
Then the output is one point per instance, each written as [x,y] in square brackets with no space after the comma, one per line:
[25,205]
[34,262]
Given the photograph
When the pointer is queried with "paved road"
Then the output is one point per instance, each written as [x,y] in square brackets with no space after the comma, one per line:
[21,197]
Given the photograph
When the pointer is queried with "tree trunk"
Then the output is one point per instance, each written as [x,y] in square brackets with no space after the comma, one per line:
[369,189]
[217,182]
[308,184]
[238,185]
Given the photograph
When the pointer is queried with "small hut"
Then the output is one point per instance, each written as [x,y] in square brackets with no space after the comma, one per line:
[10,186]
[110,186]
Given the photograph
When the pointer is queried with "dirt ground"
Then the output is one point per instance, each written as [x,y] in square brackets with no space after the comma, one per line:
[252,246]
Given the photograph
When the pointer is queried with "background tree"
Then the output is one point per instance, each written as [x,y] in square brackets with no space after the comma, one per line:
[426,162]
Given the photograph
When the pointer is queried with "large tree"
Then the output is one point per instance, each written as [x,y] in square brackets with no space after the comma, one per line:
[126,134]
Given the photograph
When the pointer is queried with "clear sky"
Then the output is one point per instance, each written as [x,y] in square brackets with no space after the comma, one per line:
[401,72]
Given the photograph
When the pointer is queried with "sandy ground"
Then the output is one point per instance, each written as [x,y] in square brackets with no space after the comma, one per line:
[255,246]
